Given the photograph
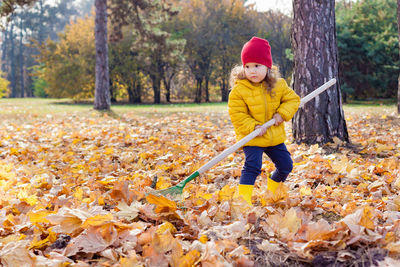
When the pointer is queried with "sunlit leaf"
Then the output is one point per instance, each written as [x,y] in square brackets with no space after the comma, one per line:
[163,204]
[97,220]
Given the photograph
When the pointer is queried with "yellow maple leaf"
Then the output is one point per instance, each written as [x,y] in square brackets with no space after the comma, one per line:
[305,191]
[109,151]
[367,218]
[341,165]
[280,194]
[23,195]
[128,262]
[98,220]
[6,172]
[162,183]
[189,259]
[167,226]
[163,242]
[291,221]
[163,204]
[39,216]
[203,239]
[78,194]
[227,192]
[69,220]
[206,196]
[38,243]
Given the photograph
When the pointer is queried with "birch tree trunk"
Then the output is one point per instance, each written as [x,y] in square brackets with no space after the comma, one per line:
[316,62]
[102,92]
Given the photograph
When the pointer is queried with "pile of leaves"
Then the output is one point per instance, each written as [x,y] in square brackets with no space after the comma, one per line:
[74,190]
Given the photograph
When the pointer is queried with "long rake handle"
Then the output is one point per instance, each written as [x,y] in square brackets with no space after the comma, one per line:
[252,135]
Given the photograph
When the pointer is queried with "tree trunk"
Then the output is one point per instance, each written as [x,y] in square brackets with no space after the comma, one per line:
[131,95]
[102,91]
[13,63]
[224,90]
[167,85]
[137,97]
[4,52]
[207,78]
[197,98]
[113,92]
[398,30]
[316,62]
[21,60]
[156,81]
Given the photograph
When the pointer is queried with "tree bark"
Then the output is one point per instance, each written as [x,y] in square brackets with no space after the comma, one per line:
[197,98]
[156,81]
[167,84]
[102,99]
[4,52]
[156,72]
[206,88]
[137,98]
[224,90]
[13,65]
[316,62]
[398,30]
[21,60]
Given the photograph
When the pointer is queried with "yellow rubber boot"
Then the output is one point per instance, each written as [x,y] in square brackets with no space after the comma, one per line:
[272,185]
[246,191]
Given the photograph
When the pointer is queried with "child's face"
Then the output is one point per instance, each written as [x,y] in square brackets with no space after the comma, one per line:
[255,72]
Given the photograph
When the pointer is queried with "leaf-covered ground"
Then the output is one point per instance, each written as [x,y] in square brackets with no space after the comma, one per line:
[73,193]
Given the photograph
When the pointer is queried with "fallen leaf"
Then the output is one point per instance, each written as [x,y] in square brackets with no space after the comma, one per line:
[163,204]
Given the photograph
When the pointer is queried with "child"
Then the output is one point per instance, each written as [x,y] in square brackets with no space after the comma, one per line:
[257,96]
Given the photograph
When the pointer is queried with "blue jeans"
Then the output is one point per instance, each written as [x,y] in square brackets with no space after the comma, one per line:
[279,155]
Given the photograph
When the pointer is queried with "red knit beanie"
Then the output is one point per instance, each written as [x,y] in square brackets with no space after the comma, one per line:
[257,50]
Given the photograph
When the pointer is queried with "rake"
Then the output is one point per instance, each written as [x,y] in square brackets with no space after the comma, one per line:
[177,190]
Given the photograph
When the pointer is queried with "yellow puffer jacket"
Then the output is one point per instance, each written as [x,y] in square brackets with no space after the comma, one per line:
[250,105]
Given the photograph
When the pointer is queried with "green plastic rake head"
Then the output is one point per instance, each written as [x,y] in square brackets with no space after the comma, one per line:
[177,190]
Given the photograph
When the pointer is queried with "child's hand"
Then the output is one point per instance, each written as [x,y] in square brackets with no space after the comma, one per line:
[262,131]
[278,119]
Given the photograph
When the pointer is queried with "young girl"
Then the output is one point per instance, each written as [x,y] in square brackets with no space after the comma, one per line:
[257,96]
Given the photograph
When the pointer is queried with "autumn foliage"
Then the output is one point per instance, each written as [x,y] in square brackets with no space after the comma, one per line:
[4,86]
[73,191]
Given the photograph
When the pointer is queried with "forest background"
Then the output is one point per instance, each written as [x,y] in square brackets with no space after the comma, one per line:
[47,50]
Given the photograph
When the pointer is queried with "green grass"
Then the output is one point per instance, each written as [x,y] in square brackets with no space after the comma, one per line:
[40,106]
[17,107]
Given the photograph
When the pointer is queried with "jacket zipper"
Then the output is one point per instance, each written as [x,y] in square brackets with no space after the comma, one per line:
[265,102]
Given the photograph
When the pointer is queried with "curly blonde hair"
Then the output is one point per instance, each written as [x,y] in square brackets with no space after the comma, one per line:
[269,82]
